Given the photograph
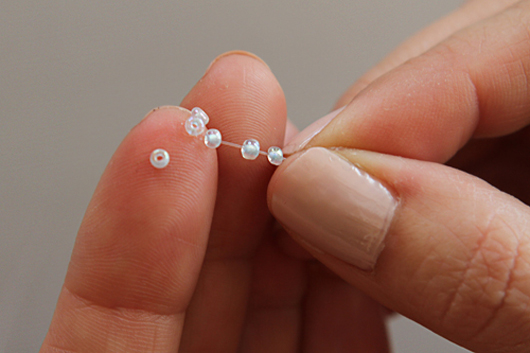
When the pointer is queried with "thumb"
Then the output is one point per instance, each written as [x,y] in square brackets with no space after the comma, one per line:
[456,254]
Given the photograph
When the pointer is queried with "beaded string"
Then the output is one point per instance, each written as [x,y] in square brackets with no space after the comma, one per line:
[195,125]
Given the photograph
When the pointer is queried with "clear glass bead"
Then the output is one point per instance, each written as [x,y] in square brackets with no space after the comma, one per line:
[213,138]
[199,113]
[159,158]
[250,149]
[275,155]
[194,126]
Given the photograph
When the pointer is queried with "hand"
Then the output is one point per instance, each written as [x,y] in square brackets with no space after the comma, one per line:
[185,258]
[456,252]
[164,251]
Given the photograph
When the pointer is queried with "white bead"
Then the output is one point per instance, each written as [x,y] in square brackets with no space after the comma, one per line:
[199,113]
[275,155]
[250,149]
[159,158]
[194,126]
[213,138]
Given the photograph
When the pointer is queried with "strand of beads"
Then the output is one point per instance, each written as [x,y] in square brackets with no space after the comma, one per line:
[250,149]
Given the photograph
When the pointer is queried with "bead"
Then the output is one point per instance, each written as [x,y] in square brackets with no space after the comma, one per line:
[213,138]
[250,149]
[194,126]
[199,113]
[159,158]
[275,155]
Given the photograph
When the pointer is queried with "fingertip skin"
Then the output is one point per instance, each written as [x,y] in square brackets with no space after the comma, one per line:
[233,53]
[141,244]
[145,230]
[243,78]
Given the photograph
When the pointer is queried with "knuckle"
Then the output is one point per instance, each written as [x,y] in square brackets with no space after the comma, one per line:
[492,289]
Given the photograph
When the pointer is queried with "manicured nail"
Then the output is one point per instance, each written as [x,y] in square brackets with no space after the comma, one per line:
[333,206]
[309,132]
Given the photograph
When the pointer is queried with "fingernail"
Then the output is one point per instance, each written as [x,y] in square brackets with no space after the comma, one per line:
[309,132]
[333,206]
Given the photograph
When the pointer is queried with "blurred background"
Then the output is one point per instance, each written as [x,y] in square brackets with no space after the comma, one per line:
[76,76]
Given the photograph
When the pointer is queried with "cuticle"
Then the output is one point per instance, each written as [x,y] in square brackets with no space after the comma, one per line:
[387,185]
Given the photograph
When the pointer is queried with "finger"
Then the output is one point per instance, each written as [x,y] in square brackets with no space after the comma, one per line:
[290,131]
[289,246]
[473,84]
[498,161]
[141,244]
[456,252]
[339,318]
[284,241]
[244,100]
[274,317]
[469,13]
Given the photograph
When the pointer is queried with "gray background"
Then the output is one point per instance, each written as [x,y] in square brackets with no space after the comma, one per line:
[76,76]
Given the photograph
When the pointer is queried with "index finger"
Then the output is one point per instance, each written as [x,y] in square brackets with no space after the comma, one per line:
[470,12]
[474,84]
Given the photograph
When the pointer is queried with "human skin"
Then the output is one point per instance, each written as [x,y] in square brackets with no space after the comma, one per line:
[189,258]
